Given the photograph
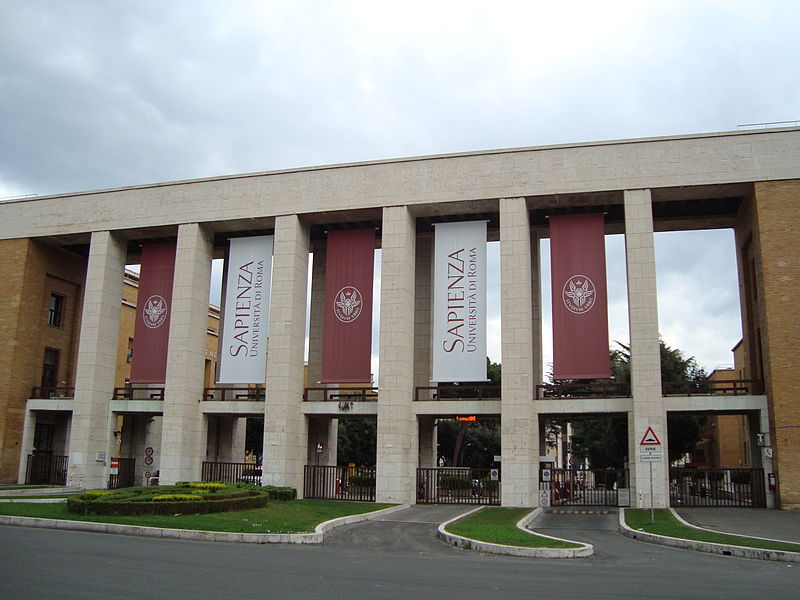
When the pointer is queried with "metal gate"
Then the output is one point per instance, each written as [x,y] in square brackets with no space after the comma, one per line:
[46,469]
[717,487]
[125,476]
[323,482]
[458,485]
[585,487]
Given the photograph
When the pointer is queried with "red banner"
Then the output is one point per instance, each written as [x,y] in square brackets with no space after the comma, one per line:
[347,326]
[153,308]
[580,303]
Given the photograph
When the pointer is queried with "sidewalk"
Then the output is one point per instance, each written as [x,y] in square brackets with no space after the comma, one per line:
[757,522]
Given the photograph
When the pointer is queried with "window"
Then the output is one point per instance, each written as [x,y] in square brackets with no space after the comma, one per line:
[56,310]
[50,368]
[129,354]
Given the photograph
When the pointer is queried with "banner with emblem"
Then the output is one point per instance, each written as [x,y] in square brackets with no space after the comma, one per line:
[153,309]
[245,319]
[459,302]
[580,304]
[347,323]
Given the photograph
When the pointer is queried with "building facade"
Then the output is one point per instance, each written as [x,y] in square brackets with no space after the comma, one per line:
[77,246]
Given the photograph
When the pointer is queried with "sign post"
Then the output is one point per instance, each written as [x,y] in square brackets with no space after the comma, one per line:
[650,452]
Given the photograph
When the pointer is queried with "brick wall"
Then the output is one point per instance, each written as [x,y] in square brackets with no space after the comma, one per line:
[777,214]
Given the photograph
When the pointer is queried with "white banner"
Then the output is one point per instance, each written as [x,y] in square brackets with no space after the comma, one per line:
[459,302]
[245,323]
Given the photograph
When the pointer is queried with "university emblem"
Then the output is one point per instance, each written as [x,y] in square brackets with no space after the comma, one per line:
[347,304]
[579,294]
[154,312]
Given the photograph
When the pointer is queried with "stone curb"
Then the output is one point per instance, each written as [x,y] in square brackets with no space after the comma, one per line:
[39,491]
[714,548]
[35,500]
[191,534]
[470,544]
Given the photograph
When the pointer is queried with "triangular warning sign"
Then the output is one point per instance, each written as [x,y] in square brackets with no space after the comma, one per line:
[650,438]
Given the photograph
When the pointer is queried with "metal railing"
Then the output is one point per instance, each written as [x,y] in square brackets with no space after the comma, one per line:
[731,387]
[584,487]
[53,392]
[349,394]
[47,469]
[717,487]
[457,485]
[322,482]
[231,472]
[583,390]
[256,393]
[125,476]
[138,393]
[457,392]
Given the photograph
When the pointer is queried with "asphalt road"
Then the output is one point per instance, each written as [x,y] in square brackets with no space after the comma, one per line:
[395,558]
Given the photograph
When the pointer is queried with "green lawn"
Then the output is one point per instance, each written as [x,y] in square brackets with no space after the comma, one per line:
[498,526]
[667,524]
[297,516]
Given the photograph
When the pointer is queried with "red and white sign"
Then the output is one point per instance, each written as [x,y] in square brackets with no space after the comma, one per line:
[245,323]
[151,331]
[650,438]
[459,302]
[347,323]
[580,305]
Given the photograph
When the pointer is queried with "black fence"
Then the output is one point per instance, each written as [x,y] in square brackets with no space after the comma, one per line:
[125,475]
[53,392]
[458,485]
[231,472]
[584,487]
[340,394]
[138,393]
[321,482]
[717,487]
[46,469]
[457,392]
[223,394]
[731,387]
[583,390]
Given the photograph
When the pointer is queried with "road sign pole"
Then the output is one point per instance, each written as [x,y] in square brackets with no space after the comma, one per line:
[652,513]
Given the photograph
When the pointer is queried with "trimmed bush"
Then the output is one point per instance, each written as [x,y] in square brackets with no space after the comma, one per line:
[166,500]
[366,480]
[454,482]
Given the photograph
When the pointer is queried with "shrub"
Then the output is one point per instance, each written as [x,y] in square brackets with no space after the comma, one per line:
[165,500]
[366,480]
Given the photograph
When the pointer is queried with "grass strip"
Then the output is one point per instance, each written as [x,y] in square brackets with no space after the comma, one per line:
[23,498]
[498,525]
[667,524]
[296,516]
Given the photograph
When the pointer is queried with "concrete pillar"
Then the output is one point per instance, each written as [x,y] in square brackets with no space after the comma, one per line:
[519,421]
[758,422]
[317,315]
[428,442]
[238,438]
[28,429]
[322,430]
[285,428]
[397,424]
[90,438]
[423,315]
[648,403]
[183,435]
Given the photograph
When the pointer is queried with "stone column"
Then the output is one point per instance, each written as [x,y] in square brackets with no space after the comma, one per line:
[28,430]
[519,423]
[648,403]
[90,437]
[184,429]
[285,428]
[397,426]
[428,441]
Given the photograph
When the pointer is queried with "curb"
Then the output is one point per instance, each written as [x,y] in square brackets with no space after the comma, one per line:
[191,534]
[470,544]
[34,500]
[711,547]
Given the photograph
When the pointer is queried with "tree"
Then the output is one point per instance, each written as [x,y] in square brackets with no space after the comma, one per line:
[604,441]
[357,441]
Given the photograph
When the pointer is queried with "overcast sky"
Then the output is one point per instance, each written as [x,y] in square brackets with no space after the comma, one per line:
[105,94]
